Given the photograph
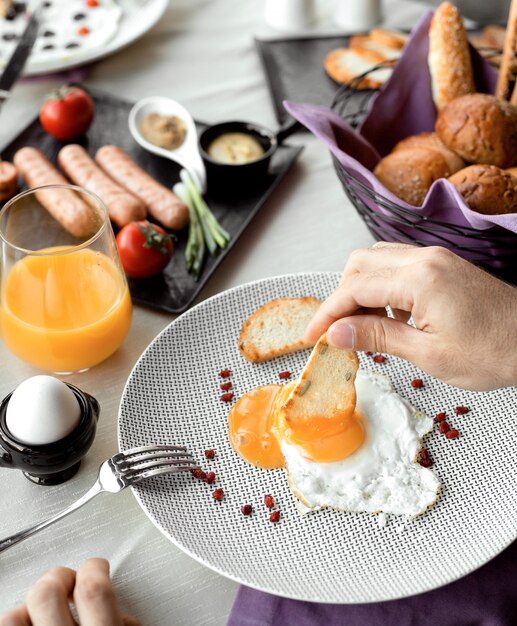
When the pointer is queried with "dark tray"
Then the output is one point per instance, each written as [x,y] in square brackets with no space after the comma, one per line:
[174,289]
[294,70]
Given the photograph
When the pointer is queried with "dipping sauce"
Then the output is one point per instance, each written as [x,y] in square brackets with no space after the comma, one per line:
[235,149]
[165,131]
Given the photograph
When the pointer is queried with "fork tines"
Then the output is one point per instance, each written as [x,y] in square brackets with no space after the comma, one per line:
[147,461]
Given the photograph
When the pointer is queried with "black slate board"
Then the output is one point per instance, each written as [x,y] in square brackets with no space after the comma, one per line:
[175,289]
[294,70]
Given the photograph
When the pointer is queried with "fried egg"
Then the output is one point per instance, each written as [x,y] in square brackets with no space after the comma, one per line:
[364,461]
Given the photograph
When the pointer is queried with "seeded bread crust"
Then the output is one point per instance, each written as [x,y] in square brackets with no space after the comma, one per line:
[487,189]
[449,56]
[481,129]
[277,328]
[326,385]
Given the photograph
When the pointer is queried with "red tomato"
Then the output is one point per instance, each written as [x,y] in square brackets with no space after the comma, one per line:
[67,113]
[144,249]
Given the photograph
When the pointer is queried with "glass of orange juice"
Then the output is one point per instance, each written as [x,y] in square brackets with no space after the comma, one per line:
[64,299]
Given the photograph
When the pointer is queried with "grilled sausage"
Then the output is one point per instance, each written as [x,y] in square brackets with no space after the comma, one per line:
[8,180]
[81,169]
[64,205]
[162,204]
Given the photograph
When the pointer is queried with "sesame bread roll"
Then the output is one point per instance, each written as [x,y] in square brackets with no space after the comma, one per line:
[449,56]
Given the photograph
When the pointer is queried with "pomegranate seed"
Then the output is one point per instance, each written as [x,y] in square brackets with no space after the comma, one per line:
[226,386]
[440,417]
[444,428]
[461,410]
[209,454]
[84,30]
[284,375]
[225,373]
[379,358]
[227,397]
[210,478]
[368,353]
[452,434]
[417,383]
[424,458]
[218,495]
[274,517]
[269,501]
[199,474]
[247,509]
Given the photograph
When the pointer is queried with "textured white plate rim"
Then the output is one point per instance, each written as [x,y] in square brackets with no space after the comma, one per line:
[124,36]
[380,598]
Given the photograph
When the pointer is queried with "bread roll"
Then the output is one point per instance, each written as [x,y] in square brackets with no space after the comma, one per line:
[481,129]
[449,56]
[410,172]
[432,142]
[487,189]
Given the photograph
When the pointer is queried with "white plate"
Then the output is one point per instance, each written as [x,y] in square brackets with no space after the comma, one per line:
[172,395]
[138,17]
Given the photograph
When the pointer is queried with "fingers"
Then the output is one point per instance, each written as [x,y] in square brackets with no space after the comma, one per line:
[47,601]
[379,334]
[94,597]
[363,291]
[17,617]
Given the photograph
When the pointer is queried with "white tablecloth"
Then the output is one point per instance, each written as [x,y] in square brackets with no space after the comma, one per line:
[202,54]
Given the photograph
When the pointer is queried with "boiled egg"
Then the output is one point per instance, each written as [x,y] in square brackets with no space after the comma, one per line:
[42,410]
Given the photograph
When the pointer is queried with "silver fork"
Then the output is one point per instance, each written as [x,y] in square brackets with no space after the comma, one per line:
[122,470]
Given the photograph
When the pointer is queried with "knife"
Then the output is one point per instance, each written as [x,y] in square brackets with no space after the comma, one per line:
[19,57]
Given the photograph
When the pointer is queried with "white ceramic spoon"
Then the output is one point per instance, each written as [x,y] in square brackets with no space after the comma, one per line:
[187,155]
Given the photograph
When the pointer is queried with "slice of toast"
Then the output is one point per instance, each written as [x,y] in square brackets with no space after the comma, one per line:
[344,64]
[326,386]
[389,38]
[277,328]
[373,51]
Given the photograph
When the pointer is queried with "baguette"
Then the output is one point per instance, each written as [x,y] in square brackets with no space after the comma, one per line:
[449,56]
[510,47]
[277,328]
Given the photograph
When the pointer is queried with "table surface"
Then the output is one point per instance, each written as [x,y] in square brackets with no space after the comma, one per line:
[202,54]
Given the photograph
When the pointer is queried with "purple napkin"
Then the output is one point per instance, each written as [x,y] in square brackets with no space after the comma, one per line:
[487,597]
[404,107]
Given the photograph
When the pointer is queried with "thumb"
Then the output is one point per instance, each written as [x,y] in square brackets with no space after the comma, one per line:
[378,334]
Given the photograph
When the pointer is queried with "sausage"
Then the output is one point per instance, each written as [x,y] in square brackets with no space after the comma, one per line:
[81,169]
[8,180]
[162,204]
[64,205]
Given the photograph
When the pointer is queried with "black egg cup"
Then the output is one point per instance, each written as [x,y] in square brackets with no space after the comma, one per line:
[56,462]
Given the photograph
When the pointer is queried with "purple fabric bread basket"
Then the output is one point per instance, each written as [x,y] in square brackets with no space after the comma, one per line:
[403,107]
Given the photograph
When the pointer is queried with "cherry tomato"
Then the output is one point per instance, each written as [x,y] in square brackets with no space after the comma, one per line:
[144,249]
[67,113]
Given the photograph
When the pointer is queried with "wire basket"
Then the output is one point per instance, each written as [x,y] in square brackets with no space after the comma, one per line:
[495,248]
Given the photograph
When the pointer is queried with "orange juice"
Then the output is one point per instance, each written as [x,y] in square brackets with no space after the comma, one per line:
[65,312]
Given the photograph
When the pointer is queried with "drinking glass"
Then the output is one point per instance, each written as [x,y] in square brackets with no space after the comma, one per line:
[64,300]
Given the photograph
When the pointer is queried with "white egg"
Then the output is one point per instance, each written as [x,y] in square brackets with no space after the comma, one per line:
[42,410]
[382,475]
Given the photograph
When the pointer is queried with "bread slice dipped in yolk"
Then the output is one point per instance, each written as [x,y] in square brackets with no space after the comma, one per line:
[317,413]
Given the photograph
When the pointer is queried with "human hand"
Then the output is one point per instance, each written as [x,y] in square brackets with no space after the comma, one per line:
[90,589]
[466,320]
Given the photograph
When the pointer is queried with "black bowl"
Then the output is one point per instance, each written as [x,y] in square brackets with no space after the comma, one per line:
[225,177]
[56,462]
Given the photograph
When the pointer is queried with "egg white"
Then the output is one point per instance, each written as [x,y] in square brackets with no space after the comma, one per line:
[382,475]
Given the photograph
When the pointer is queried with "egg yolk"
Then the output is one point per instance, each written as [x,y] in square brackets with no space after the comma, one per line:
[250,424]
[256,426]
